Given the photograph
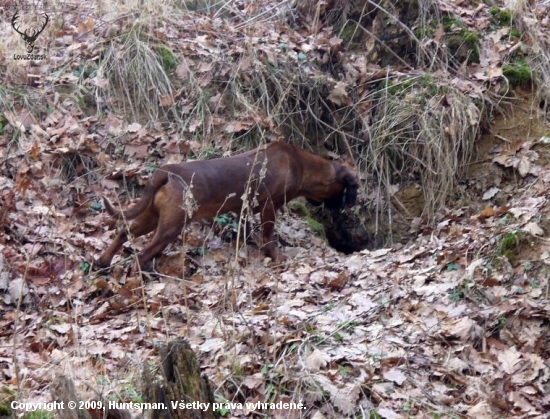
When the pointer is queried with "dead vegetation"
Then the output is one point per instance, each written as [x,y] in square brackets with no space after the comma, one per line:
[436,327]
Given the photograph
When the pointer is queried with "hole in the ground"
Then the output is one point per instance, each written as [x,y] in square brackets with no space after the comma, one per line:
[345,233]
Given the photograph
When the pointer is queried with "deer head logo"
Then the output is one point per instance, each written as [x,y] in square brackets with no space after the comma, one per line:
[27,36]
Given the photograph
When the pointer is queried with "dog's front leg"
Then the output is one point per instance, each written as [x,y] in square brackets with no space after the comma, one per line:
[268,226]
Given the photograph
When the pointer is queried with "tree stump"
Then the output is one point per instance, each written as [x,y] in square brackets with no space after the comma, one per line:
[181,385]
[64,391]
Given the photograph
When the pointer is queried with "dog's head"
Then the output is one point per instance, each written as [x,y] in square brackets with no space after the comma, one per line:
[342,191]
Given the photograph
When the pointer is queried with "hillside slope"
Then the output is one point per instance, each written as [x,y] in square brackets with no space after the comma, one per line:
[441,105]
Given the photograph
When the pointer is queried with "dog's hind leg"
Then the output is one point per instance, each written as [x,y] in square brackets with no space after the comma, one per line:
[145,223]
[105,259]
[166,233]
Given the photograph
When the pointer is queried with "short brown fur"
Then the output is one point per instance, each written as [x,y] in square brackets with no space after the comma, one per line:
[271,175]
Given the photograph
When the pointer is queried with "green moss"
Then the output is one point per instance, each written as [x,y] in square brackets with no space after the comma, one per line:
[518,73]
[432,87]
[349,33]
[6,397]
[469,37]
[425,31]
[3,123]
[4,410]
[450,22]
[427,80]
[167,58]
[507,242]
[501,17]
[415,90]
[315,226]
[509,245]
[515,34]
[464,45]
[299,207]
[505,18]
[398,87]
[472,43]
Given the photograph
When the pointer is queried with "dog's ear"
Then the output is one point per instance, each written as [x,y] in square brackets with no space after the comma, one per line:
[348,178]
[351,192]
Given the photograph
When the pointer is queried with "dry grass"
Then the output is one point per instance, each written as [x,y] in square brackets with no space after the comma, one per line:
[529,21]
[423,131]
[137,82]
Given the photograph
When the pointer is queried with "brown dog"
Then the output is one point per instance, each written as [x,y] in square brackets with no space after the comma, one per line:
[263,180]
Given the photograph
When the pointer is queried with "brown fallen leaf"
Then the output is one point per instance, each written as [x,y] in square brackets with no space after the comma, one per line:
[340,281]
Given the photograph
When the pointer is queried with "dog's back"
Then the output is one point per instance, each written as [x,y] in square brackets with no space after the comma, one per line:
[253,179]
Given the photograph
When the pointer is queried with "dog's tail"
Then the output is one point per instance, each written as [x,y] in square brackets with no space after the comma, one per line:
[159,178]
